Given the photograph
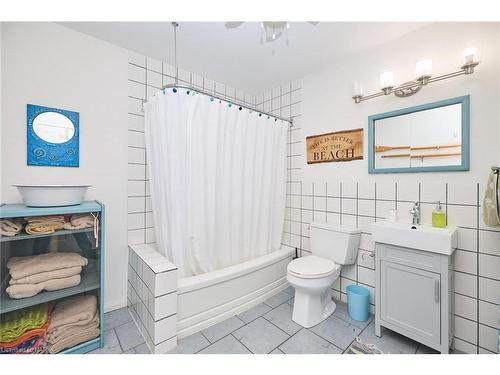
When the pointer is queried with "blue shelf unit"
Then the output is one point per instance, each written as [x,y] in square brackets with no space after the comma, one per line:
[92,276]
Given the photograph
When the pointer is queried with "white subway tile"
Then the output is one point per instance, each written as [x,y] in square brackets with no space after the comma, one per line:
[153,64]
[136,73]
[467,239]
[466,307]
[407,191]
[136,172]
[154,79]
[135,204]
[488,338]
[465,261]
[489,290]
[135,188]
[366,276]
[462,193]
[464,346]
[465,329]
[136,58]
[433,191]
[136,139]
[489,266]
[135,122]
[465,216]
[489,313]
[136,90]
[465,284]
[136,155]
[489,242]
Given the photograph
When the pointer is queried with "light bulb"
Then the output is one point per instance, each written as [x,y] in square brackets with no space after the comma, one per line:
[469,56]
[357,90]
[423,68]
[386,80]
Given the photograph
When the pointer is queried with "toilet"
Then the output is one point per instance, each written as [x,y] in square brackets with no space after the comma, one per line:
[312,276]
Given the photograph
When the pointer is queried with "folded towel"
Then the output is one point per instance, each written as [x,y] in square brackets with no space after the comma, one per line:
[49,275]
[491,215]
[18,291]
[44,224]
[30,265]
[80,221]
[59,333]
[28,335]
[10,227]
[75,338]
[74,310]
[16,323]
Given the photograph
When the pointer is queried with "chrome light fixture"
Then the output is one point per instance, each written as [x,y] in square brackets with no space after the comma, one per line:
[423,74]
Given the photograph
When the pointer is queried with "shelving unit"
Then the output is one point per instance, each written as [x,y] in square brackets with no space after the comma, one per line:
[91,275]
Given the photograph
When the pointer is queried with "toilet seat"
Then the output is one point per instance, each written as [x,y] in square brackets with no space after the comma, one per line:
[312,267]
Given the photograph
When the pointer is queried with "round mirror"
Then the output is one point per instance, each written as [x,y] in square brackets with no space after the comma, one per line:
[53,127]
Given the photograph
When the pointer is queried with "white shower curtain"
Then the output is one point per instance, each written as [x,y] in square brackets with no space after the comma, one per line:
[217,179]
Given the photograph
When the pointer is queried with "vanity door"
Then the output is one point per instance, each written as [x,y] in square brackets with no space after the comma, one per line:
[410,300]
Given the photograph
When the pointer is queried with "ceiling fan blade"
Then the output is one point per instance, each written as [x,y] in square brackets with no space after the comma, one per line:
[233,25]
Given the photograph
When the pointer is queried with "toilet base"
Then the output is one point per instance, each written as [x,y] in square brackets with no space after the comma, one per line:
[310,309]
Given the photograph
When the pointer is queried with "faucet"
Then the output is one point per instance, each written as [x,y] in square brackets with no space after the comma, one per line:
[415,213]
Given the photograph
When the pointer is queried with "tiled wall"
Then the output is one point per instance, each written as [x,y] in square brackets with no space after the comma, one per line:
[145,77]
[361,202]
[152,297]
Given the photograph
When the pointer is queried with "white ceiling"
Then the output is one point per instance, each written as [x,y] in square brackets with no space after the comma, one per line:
[236,57]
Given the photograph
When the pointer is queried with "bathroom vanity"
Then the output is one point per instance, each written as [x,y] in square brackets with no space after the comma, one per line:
[414,282]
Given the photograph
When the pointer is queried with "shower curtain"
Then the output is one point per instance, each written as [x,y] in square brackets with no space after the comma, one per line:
[217,179]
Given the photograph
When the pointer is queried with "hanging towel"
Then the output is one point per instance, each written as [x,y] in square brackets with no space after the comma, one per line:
[25,266]
[491,214]
[18,291]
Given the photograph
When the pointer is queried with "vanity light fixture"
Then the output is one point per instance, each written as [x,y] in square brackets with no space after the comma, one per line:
[423,76]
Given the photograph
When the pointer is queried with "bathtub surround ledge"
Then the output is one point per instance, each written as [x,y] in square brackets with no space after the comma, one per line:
[152,297]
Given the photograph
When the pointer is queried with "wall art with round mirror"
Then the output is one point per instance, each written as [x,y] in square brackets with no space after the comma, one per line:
[52,136]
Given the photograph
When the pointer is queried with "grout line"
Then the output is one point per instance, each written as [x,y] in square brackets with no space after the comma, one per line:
[477,266]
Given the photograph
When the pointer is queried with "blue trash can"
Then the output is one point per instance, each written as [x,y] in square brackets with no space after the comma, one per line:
[358,302]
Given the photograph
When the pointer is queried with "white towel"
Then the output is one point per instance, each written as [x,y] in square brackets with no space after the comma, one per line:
[491,215]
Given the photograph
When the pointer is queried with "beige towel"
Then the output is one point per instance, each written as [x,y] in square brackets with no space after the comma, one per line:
[491,214]
[18,291]
[59,333]
[75,338]
[74,310]
[10,227]
[80,221]
[44,224]
[49,275]
[20,267]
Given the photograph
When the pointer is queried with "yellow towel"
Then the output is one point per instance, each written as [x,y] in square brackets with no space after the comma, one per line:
[44,224]
[490,204]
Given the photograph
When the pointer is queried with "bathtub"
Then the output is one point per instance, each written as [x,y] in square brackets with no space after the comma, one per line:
[210,298]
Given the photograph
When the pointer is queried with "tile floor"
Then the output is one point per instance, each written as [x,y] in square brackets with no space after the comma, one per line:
[265,328]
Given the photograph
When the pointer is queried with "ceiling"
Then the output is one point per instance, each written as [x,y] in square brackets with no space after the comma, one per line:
[236,57]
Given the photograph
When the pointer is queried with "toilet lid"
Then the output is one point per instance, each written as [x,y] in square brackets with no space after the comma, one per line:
[312,266]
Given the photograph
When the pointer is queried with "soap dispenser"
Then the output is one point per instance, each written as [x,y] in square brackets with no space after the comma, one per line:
[438,216]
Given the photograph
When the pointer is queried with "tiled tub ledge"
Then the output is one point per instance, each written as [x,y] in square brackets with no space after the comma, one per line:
[152,297]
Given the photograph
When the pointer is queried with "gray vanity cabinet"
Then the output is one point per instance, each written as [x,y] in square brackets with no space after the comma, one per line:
[413,295]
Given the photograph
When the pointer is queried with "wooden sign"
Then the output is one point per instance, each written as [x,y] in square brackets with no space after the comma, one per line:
[344,145]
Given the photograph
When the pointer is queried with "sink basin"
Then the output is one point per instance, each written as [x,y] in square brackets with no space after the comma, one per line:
[419,237]
[52,195]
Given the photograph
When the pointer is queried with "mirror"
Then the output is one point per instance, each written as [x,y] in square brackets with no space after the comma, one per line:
[52,137]
[426,138]
[53,127]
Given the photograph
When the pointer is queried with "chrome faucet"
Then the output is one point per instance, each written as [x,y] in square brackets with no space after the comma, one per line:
[415,213]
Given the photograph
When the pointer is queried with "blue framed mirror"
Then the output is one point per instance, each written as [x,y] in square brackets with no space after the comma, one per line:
[52,137]
[432,137]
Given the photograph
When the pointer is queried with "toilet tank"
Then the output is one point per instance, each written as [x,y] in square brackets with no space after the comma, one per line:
[336,242]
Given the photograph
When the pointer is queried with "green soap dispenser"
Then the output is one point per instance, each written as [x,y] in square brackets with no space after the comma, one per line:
[438,216]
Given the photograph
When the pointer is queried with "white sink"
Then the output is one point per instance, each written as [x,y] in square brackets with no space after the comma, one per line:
[419,237]
[52,195]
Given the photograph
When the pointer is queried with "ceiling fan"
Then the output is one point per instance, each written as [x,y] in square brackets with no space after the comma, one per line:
[273,29]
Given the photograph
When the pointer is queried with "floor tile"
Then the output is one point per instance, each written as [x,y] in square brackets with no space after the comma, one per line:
[306,342]
[281,316]
[191,344]
[142,349]
[224,328]
[277,351]
[116,318]
[114,350]
[129,336]
[260,336]
[110,339]
[277,299]
[227,345]
[254,312]
[338,332]
[342,313]
[422,349]
[390,342]
[290,290]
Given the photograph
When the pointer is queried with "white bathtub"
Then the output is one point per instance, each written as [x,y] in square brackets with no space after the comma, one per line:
[210,298]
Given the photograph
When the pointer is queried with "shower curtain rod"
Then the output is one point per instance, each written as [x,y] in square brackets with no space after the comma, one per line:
[215,96]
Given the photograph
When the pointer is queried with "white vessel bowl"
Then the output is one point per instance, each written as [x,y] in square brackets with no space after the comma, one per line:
[52,195]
